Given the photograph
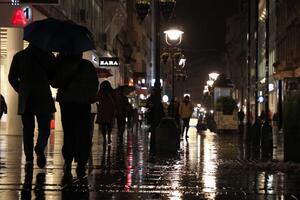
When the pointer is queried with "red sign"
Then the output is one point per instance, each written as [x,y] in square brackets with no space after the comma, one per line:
[21,16]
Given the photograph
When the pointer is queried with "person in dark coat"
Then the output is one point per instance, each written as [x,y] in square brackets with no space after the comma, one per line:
[3,106]
[241,116]
[155,113]
[107,109]
[29,75]
[77,84]
[123,108]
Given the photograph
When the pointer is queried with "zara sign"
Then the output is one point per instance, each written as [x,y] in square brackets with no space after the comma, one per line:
[109,62]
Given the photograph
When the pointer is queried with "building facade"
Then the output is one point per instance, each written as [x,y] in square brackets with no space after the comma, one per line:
[113,24]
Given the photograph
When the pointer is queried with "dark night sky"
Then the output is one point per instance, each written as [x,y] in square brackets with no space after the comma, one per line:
[203,23]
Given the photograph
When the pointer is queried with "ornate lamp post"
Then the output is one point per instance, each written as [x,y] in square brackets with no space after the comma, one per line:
[210,84]
[173,38]
[167,7]
[212,78]
[143,7]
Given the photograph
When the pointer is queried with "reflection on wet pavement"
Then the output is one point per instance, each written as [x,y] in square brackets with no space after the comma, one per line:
[208,166]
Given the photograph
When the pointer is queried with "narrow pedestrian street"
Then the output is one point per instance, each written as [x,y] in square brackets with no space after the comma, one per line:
[208,166]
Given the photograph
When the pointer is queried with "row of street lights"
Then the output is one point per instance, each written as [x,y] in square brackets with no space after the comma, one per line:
[209,89]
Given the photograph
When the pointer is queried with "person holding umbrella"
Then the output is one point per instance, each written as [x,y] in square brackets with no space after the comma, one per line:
[77,85]
[76,80]
[29,75]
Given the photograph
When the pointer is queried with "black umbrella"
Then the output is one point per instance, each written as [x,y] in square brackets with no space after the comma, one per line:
[60,36]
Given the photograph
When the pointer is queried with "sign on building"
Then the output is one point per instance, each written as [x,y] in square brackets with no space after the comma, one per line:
[109,62]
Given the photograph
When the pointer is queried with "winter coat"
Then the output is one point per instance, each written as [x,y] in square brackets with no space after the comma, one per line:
[77,81]
[186,110]
[107,107]
[29,75]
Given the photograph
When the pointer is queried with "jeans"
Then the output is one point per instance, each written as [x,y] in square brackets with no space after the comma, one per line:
[43,121]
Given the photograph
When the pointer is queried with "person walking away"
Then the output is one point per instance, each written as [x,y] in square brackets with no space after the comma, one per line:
[186,109]
[155,113]
[29,75]
[3,106]
[241,116]
[77,84]
[107,109]
[121,102]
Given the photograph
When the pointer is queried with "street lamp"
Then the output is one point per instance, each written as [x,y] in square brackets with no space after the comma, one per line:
[173,38]
[213,76]
[210,83]
[143,7]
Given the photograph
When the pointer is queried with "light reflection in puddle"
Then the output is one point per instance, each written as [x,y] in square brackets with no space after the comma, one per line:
[209,166]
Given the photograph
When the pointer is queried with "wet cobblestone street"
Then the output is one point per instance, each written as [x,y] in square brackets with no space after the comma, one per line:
[208,166]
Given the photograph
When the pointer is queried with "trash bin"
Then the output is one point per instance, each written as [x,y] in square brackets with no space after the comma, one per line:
[167,137]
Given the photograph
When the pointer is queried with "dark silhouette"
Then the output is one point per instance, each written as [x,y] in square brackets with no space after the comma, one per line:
[3,106]
[241,116]
[29,75]
[123,108]
[186,109]
[107,109]
[77,85]
[155,113]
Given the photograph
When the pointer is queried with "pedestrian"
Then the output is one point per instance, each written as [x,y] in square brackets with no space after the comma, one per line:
[30,74]
[241,116]
[77,84]
[155,113]
[3,106]
[122,107]
[262,116]
[106,111]
[186,109]
[275,119]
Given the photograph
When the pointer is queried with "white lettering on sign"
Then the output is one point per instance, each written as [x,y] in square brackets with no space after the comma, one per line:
[109,63]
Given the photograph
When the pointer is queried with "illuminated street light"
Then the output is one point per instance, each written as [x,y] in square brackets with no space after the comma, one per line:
[210,83]
[173,36]
[213,76]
